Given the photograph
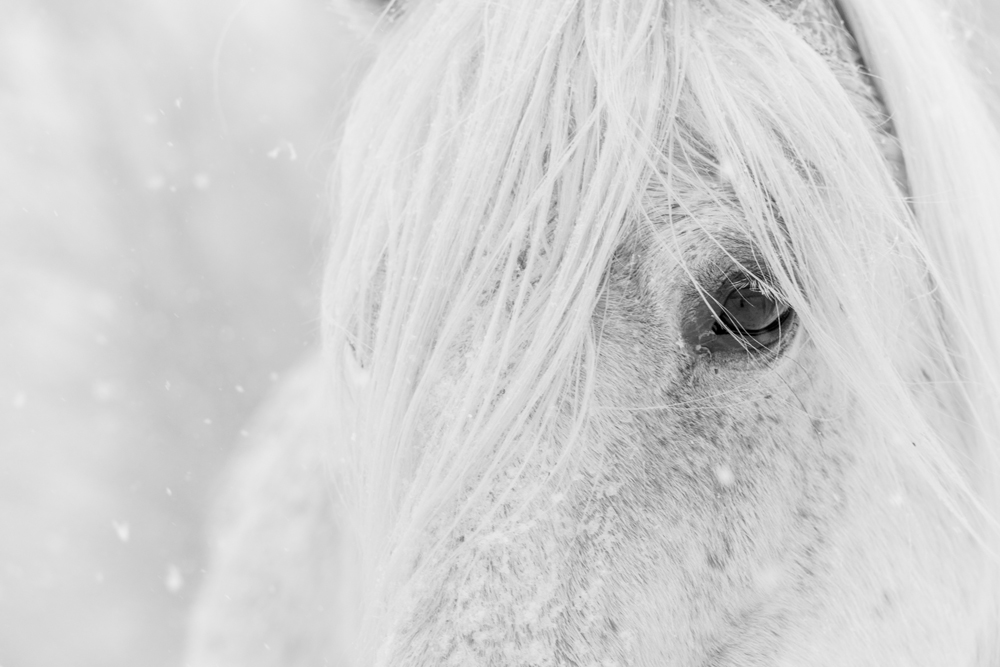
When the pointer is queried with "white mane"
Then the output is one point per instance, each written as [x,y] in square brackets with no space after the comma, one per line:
[521,143]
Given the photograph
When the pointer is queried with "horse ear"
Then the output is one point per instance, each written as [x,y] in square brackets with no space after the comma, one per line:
[370,17]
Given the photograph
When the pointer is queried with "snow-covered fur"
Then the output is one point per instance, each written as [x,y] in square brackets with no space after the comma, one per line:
[531,456]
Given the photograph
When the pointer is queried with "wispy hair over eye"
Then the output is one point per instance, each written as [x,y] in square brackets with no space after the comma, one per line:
[501,152]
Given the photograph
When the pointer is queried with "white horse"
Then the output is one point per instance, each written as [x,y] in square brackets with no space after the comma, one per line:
[658,332]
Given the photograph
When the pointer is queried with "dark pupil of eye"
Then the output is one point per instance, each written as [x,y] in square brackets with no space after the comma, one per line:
[747,312]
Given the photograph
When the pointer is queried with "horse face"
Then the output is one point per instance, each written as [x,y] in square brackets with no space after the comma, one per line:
[725,508]
[725,499]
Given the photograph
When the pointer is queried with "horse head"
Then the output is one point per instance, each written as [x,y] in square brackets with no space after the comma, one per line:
[655,334]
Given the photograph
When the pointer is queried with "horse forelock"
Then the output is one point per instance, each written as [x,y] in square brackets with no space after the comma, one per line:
[526,147]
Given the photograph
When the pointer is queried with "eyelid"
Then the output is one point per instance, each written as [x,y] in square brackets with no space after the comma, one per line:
[744,281]
[733,262]
[745,273]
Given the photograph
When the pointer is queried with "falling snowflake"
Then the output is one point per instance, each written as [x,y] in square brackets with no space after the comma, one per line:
[174,580]
[724,475]
[121,529]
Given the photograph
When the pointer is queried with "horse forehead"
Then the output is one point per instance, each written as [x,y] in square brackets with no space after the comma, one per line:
[820,24]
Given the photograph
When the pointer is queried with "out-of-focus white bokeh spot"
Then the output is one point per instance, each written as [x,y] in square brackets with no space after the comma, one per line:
[174,580]
[121,530]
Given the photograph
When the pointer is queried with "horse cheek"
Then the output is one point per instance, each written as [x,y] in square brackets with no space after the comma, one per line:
[710,513]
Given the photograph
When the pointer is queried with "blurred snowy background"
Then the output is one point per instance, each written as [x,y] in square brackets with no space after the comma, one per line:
[162,193]
[163,169]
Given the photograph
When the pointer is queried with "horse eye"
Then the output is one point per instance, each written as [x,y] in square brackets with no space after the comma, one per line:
[749,318]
